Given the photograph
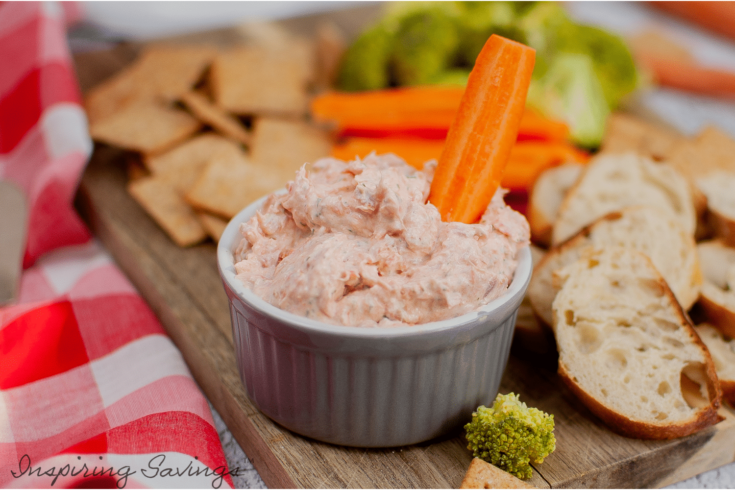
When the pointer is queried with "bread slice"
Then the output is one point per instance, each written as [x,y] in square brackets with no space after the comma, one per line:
[718,290]
[711,151]
[646,229]
[722,350]
[719,187]
[546,196]
[625,346]
[611,182]
[481,474]
[626,132]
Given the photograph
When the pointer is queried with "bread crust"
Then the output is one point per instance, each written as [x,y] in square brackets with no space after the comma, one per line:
[638,429]
[635,428]
[717,314]
[728,391]
[722,226]
[540,226]
[540,219]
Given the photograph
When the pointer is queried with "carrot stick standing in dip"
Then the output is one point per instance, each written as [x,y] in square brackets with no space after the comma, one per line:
[484,130]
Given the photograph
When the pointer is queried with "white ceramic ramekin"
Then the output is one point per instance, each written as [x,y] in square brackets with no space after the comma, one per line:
[367,387]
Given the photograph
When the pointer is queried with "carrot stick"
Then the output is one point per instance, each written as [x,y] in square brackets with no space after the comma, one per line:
[394,108]
[424,112]
[685,75]
[716,16]
[527,159]
[486,127]
[414,151]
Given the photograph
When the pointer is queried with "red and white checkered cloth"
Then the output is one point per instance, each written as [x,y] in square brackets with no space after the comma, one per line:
[92,391]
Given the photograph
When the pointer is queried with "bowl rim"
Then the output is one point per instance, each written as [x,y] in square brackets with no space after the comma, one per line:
[225,261]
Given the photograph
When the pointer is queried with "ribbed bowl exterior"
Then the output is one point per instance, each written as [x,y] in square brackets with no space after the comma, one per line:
[368,387]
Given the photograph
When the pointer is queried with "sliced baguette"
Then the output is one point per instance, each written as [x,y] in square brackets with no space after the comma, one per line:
[546,197]
[718,290]
[722,350]
[626,132]
[646,229]
[719,187]
[611,182]
[625,345]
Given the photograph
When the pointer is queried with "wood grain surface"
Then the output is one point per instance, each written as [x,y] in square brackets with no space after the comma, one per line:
[184,289]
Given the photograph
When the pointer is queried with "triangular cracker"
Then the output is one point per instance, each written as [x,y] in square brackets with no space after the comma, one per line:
[215,117]
[484,475]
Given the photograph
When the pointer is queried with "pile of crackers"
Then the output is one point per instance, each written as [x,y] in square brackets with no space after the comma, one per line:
[213,129]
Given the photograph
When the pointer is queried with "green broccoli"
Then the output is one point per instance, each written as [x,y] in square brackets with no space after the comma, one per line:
[477,21]
[365,65]
[510,435]
[425,45]
[613,63]
[570,91]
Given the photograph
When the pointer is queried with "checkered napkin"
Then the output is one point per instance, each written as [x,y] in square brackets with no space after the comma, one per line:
[92,391]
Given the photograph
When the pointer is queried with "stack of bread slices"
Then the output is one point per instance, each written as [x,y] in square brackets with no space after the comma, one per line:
[620,275]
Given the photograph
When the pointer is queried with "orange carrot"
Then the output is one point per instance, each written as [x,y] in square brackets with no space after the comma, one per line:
[424,112]
[527,159]
[716,16]
[394,108]
[685,75]
[481,137]
[414,151]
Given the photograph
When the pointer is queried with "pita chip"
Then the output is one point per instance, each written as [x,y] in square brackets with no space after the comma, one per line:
[484,475]
[160,72]
[283,145]
[166,206]
[229,183]
[214,225]
[146,126]
[215,117]
[183,164]
[255,80]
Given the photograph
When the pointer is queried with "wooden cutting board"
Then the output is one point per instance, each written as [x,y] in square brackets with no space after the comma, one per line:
[183,288]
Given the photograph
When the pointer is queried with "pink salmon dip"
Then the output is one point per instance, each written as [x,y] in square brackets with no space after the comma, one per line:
[355,243]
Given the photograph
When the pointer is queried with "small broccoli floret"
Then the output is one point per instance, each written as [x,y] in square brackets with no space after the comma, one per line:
[477,21]
[365,65]
[426,44]
[510,435]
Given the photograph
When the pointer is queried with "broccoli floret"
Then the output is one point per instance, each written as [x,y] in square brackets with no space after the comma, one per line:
[570,91]
[511,435]
[365,65]
[541,25]
[426,44]
[610,56]
[477,21]
[454,76]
